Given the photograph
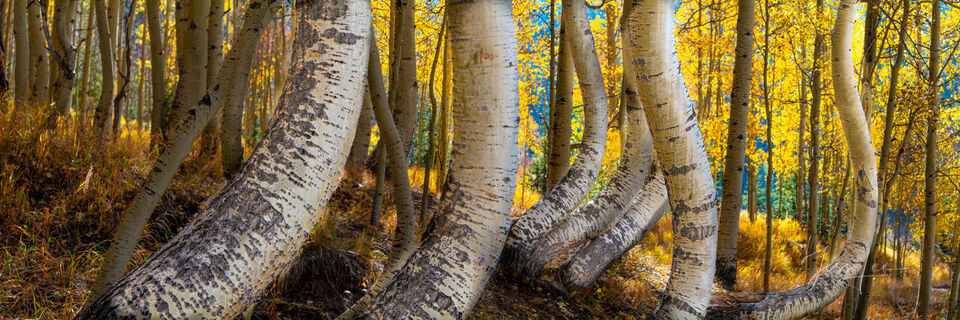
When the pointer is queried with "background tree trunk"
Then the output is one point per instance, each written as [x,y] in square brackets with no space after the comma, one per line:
[929,249]
[277,197]
[191,55]
[64,55]
[158,83]
[103,115]
[731,185]
[813,190]
[561,114]
[445,276]
[21,68]
[39,63]
[361,142]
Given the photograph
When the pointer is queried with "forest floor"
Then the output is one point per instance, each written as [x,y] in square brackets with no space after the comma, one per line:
[61,196]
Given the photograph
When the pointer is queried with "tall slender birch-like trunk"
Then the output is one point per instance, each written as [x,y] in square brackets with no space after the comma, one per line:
[731,197]
[21,67]
[930,167]
[39,62]
[103,115]
[681,151]
[208,139]
[192,51]
[235,247]
[603,211]
[813,190]
[158,83]
[353,169]
[561,114]
[85,72]
[828,286]
[445,276]
[182,137]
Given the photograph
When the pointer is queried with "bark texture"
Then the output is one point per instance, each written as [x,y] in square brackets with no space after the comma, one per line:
[361,142]
[103,115]
[561,114]
[191,27]
[680,148]
[64,54]
[445,276]
[182,138]
[828,286]
[731,185]
[255,226]
[575,186]
[21,67]
[930,167]
[158,84]
[599,254]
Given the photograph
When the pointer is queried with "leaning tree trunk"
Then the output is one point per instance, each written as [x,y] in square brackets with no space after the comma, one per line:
[361,142]
[574,186]
[828,286]
[103,115]
[255,226]
[588,263]
[21,67]
[135,217]
[158,85]
[561,113]
[929,249]
[405,235]
[604,210]
[680,149]
[445,276]
[64,55]
[731,197]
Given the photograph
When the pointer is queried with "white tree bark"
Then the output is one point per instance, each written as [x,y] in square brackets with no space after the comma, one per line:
[445,276]
[828,286]
[186,132]
[21,68]
[680,148]
[255,226]
[602,212]
[591,261]
[574,186]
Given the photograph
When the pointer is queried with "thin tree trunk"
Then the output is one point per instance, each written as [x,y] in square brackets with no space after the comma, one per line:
[561,114]
[140,76]
[603,211]
[869,59]
[272,204]
[445,276]
[361,142]
[405,98]
[431,135]
[680,147]
[120,100]
[445,113]
[866,285]
[85,72]
[812,262]
[64,55]
[768,246]
[405,235]
[181,139]
[828,286]
[21,68]
[732,182]
[588,263]
[208,140]
[158,84]
[103,115]
[39,62]
[929,249]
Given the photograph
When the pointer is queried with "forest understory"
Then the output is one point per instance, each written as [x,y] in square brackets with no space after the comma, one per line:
[52,251]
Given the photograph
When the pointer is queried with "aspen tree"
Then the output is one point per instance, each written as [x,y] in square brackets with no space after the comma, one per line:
[930,167]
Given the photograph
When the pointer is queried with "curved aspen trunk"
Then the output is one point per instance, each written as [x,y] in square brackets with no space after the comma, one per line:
[599,254]
[21,67]
[158,85]
[404,237]
[828,286]
[561,114]
[255,226]
[445,276]
[680,148]
[575,186]
[183,135]
[731,197]
[64,55]
[103,115]
[361,142]
[602,212]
